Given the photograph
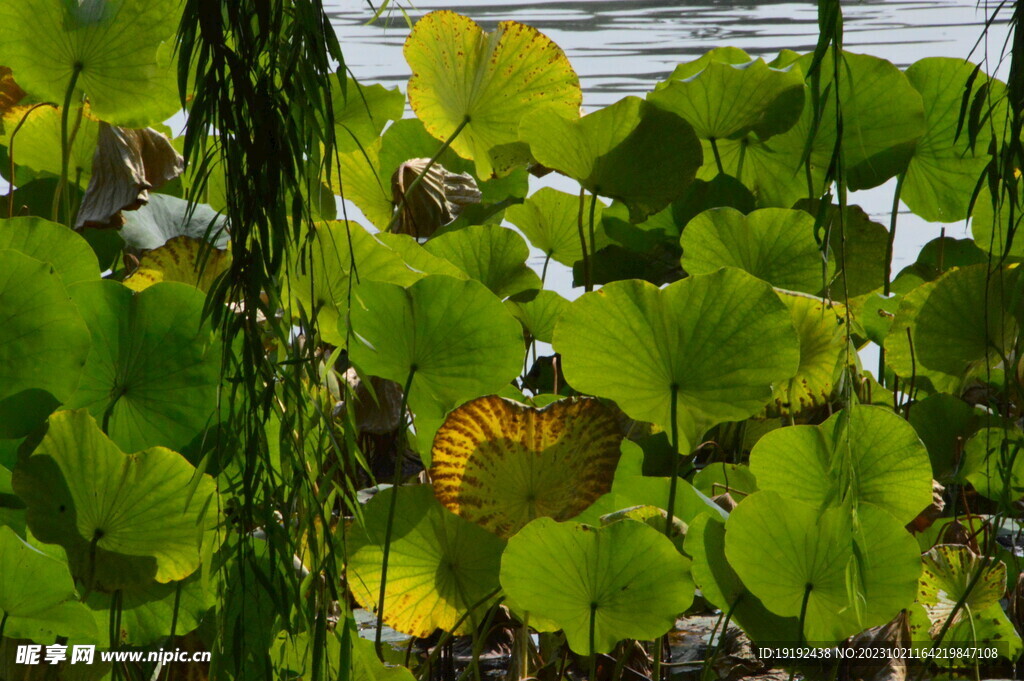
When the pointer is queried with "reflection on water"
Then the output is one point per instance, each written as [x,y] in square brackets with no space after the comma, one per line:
[622,47]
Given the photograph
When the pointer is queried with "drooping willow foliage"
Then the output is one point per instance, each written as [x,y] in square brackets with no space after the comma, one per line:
[258,75]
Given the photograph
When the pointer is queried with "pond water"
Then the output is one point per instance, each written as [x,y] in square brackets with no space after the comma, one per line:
[623,47]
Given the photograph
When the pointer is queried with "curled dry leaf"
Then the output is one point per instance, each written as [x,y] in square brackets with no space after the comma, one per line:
[126,165]
[929,515]
[435,201]
[872,666]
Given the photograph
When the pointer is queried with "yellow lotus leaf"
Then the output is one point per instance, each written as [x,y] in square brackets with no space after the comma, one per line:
[184,259]
[501,464]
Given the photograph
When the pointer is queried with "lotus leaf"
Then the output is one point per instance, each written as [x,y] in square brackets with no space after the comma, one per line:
[538,311]
[37,595]
[147,610]
[362,111]
[321,283]
[455,335]
[993,463]
[573,573]
[949,571]
[635,344]
[771,103]
[794,557]
[631,151]
[152,374]
[486,82]
[720,478]
[38,143]
[823,355]
[494,256]
[959,324]
[501,465]
[773,244]
[69,253]
[43,340]
[182,259]
[947,163]
[721,586]
[417,257]
[995,220]
[988,627]
[549,219]
[943,422]
[882,117]
[865,454]
[439,564]
[113,44]
[166,217]
[124,519]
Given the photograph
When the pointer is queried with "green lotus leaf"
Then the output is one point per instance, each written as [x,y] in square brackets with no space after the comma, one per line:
[38,143]
[152,374]
[936,258]
[124,519]
[993,463]
[462,75]
[631,151]
[883,117]
[851,577]
[720,478]
[721,586]
[362,111]
[549,219]
[166,217]
[635,344]
[538,311]
[43,340]
[148,610]
[944,422]
[821,331]
[949,577]
[439,564]
[38,600]
[113,43]
[632,488]
[719,55]
[455,334]
[867,455]
[857,243]
[182,259]
[771,103]
[572,573]
[418,258]
[70,254]
[959,324]
[992,223]
[320,279]
[774,244]
[293,656]
[500,465]
[946,165]
[494,256]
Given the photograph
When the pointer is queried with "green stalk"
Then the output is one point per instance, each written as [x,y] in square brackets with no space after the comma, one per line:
[587,285]
[593,656]
[524,647]
[65,148]
[803,622]
[593,242]
[887,283]
[704,675]
[675,464]
[743,156]
[396,482]
[430,164]
[718,157]
[3,624]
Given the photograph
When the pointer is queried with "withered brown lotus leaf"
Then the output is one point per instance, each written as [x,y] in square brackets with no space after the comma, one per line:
[126,165]
[10,94]
[435,201]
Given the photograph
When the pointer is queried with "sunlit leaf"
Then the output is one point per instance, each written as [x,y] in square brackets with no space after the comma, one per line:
[182,259]
[500,464]
[487,81]
[569,572]
[438,566]
[494,256]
